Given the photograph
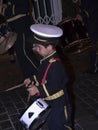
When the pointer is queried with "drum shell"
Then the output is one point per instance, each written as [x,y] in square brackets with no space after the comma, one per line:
[38,114]
[69,34]
[73,30]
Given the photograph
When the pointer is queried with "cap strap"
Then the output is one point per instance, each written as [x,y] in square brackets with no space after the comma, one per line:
[39,39]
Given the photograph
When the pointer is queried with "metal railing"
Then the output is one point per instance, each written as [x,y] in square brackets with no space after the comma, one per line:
[47,11]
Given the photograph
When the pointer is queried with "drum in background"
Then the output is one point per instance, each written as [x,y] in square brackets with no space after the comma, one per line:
[69,34]
[73,30]
[7,37]
[6,42]
[75,36]
[36,114]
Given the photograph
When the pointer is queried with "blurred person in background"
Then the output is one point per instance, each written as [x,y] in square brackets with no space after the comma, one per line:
[88,13]
[17,14]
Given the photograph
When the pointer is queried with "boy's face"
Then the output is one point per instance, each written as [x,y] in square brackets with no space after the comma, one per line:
[42,50]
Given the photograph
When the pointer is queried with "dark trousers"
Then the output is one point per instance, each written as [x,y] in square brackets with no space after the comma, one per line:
[57,119]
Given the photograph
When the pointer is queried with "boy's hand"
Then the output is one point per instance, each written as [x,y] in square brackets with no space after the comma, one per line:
[33,90]
[27,82]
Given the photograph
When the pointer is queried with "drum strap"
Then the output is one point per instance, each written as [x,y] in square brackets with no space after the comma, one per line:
[58,94]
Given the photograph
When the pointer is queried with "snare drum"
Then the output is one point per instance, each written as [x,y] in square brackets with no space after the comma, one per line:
[35,115]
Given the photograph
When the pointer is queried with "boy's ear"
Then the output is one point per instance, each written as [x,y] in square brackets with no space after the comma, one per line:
[50,47]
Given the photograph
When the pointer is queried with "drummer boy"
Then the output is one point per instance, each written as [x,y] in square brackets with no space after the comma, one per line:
[51,78]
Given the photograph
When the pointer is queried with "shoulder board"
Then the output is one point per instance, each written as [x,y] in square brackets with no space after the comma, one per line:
[52,60]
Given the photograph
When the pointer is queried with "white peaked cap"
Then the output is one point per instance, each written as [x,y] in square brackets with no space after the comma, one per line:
[47,31]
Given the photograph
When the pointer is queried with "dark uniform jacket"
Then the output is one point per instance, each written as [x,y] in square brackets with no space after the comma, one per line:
[55,80]
[15,8]
[51,80]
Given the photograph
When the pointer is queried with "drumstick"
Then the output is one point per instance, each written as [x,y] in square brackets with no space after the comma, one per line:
[15,17]
[14,87]
[28,99]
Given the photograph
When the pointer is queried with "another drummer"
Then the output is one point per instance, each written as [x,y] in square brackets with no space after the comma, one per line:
[50,81]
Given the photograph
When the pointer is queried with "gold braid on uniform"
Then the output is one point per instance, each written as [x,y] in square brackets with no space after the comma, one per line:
[55,95]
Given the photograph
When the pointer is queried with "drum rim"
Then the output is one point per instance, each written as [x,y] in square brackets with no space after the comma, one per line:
[77,41]
[66,20]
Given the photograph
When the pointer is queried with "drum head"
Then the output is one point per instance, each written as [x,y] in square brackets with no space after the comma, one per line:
[6,42]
